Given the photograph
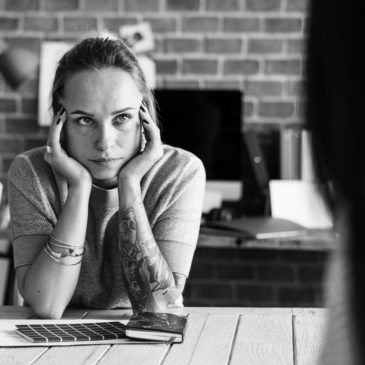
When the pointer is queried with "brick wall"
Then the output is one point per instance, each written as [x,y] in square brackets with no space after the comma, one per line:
[256,277]
[253,45]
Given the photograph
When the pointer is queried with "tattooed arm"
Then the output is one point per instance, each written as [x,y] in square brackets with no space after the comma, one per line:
[151,284]
[149,280]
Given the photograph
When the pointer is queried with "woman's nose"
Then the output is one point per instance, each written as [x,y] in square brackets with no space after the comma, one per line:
[104,139]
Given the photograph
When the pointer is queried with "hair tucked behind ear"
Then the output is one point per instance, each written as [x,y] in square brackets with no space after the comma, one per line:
[95,53]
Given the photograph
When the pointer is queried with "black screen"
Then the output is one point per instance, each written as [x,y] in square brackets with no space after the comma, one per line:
[207,123]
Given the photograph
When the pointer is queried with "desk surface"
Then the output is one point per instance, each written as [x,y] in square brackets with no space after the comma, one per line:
[214,336]
[315,240]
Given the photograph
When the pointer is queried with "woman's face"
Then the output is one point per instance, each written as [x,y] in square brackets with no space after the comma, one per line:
[103,127]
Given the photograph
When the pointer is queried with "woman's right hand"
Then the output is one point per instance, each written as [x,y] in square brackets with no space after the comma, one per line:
[66,166]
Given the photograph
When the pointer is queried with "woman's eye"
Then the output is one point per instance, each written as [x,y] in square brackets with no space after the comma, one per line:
[122,118]
[84,121]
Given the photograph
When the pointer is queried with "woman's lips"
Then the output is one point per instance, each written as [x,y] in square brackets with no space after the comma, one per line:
[106,162]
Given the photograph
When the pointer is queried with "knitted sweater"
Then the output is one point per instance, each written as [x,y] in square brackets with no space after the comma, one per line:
[172,193]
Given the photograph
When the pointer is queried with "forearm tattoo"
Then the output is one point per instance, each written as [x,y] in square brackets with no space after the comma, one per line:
[145,269]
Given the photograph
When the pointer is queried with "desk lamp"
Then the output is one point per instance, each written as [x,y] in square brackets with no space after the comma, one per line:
[16,64]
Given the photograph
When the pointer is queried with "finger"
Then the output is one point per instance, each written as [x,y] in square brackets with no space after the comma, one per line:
[144,113]
[52,129]
[54,136]
[152,133]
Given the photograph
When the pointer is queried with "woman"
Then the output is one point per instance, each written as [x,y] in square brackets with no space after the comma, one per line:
[96,221]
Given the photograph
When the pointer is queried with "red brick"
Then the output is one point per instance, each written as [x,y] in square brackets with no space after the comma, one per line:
[35,142]
[248,108]
[8,23]
[201,271]
[29,87]
[283,67]
[31,43]
[62,4]
[223,84]
[301,108]
[114,23]
[241,24]
[21,125]
[200,24]
[162,24]
[11,145]
[296,46]
[263,5]
[227,5]
[165,67]
[263,88]
[183,45]
[234,271]
[283,25]
[210,253]
[30,105]
[264,45]
[181,84]
[46,24]
[6,163]
[142,5]
[200,66]
[255,293]
[293,88]
[258,255]
[223,45]
[22,5]
[280,109]
[7,105]
[289,296]
[275,273]
[311,274]
[297,5]
[304,256]
[188,5]
[81,24]
[241,67]
[213,290]
[98,5]
[159,46]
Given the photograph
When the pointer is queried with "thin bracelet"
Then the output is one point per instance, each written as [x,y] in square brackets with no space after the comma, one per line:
[67,260]
[65,251]
[63,244]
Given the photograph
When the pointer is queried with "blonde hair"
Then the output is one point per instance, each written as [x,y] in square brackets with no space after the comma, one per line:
[96,53]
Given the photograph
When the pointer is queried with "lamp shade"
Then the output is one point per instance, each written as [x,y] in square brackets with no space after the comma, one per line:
[16,65]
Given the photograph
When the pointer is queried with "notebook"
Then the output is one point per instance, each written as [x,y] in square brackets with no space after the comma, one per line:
[157,326]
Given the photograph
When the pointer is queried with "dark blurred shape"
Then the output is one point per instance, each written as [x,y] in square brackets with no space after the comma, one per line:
[16,65]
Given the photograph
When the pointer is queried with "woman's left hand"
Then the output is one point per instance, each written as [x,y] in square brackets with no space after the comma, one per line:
[137,167]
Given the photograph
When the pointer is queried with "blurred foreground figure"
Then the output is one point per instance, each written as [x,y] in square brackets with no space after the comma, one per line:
[334,104]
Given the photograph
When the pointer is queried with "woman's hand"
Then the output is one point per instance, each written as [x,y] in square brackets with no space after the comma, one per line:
[136,168]
[75,174]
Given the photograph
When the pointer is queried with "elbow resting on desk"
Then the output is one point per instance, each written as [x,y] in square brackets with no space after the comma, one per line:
[44,307]
[47,292]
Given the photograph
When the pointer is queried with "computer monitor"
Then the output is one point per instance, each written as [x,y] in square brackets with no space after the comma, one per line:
[209,124]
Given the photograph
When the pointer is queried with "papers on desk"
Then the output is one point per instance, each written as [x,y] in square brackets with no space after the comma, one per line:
[255,228]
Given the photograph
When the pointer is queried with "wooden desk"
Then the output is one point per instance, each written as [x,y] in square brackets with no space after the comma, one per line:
[214,336]
[315,240]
